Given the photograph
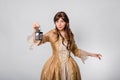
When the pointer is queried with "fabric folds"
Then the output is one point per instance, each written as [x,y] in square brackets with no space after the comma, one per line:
[60,66]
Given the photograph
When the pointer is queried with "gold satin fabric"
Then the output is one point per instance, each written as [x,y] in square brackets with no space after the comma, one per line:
[60,66]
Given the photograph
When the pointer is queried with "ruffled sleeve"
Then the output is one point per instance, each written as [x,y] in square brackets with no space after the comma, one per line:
[33,43]
[79,52]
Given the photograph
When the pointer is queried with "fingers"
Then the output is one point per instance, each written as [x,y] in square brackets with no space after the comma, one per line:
[99,56]
[96,55]
[36,26]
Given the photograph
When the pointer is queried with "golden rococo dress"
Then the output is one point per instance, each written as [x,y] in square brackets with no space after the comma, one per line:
[61,66]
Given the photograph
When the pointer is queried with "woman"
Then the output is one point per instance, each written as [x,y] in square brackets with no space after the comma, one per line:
[61,66]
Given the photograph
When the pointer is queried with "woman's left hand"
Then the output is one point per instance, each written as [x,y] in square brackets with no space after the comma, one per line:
[97,56]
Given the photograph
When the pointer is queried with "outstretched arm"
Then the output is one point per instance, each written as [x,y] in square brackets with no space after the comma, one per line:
[97,55]
[83,54]
[31,38]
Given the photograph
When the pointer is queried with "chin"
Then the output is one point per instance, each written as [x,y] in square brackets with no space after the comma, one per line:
[60,29]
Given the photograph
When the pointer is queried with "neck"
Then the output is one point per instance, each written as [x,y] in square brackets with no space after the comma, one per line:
[62,32]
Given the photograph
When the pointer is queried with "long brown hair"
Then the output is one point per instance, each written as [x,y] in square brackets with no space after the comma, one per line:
[68,32]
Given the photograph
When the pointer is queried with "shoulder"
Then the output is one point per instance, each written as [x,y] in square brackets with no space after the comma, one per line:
[52,32]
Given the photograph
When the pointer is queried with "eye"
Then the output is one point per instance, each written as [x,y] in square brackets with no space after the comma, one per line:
[57,21]
[62,21]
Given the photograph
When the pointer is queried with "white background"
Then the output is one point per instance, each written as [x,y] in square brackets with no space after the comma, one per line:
[95,24]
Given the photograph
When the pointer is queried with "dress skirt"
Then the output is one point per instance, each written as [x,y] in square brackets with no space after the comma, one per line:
[55,70]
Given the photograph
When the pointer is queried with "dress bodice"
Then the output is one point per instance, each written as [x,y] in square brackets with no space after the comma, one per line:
[64,54]
[60,50]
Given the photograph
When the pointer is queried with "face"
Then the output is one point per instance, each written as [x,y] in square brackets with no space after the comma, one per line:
[60,24]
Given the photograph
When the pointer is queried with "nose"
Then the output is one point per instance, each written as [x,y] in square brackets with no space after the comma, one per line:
[59,23]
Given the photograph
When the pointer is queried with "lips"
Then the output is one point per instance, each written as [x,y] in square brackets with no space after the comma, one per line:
[59,27]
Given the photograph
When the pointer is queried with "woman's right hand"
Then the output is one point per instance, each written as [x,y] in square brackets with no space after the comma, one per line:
[36,26]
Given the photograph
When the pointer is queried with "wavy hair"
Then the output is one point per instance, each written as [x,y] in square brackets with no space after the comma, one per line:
[68,33]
